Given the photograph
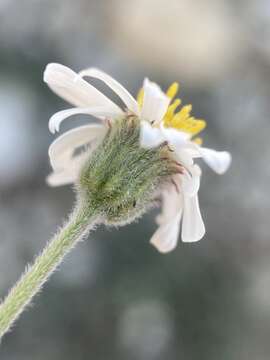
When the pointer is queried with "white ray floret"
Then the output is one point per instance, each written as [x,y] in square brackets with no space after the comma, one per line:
[62,149]
[155,102]
[75,90]
[119,89]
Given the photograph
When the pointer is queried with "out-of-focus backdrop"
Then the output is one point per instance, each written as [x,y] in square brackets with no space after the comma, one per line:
[115,296]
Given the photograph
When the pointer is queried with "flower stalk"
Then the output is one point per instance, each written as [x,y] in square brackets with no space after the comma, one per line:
[31,282]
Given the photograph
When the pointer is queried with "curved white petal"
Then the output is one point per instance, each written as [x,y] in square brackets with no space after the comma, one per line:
[193,228]
[70,174]
[191,180]
[62,149]
[150,136]
[192,150]
[155,102]
[172,202]
[72,88]
[177,139]
[60,178]
[185,149]
[166,237]
[219,161]
[184,158]
[56,120]
[119,89]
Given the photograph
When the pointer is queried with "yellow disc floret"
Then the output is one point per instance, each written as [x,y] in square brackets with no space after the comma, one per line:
[182,120]
[140,97]
[172,90]
[176,117]
[171,110]
[198,140]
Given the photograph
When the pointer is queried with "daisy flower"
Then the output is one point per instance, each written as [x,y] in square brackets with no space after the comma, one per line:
[162,121]
[119,166]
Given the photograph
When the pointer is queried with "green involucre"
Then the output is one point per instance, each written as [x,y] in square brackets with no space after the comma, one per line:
[121,178]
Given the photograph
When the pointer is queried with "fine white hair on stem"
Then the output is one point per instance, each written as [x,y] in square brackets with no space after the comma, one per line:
[35,275]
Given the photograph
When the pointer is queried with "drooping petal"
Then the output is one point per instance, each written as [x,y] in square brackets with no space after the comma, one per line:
[119,89]
[56,120]
[166,237]
[155,102]
[191,180]
[219,161]
[72,88]
[193,228]
[62,149]
[172,201]
[150,136]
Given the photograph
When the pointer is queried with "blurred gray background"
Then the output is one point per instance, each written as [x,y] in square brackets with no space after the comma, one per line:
[115,296]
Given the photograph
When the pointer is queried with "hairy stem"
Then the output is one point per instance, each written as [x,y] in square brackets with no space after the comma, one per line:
[36,274]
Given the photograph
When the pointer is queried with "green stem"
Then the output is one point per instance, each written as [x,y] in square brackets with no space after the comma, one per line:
[36,275]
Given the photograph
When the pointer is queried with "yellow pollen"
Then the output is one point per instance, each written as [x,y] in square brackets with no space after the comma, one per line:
[182,119]
[188,124]
[174,105]
[178,119]
[171,111]
[140,96]
[172,90]
[198,140]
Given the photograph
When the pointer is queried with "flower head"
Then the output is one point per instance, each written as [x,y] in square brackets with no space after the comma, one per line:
[149,148]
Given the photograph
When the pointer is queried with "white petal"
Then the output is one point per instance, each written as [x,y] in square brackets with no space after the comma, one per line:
[166,237]
[70,174]
[172,203]
[150,136]
[184,149]
[62,149]
[155,102]
[72,88]
[56,120]
[192,225]
[185,158]
[60,178]
[177,139]
[191,180]
[124,95]
[219,161]
[192,149]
